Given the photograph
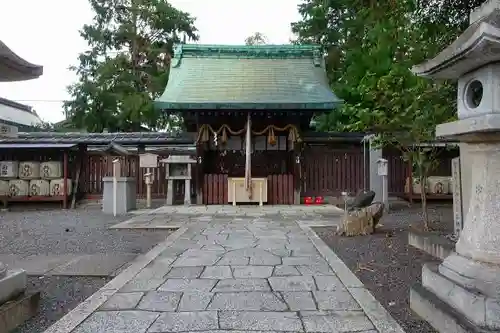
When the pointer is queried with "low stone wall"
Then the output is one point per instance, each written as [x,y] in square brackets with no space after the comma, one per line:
[435,245]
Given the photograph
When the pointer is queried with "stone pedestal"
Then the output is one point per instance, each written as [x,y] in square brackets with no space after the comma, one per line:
[126,195]
[12,284]
[462,294]
[178,168]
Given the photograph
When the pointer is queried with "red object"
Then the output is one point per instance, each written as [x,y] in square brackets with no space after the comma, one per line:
[318,200]
[308,200]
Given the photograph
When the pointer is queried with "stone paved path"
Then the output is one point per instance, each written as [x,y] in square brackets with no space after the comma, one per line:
[237,274]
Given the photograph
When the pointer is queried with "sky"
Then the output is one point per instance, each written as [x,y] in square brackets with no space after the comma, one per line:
[46,33]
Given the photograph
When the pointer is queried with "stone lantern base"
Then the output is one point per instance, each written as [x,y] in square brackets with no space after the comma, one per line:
[449,307]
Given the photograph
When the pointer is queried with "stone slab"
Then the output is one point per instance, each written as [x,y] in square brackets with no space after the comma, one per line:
[142,284]
[12,284]
[217,272]
[234,285]
[122,301]
[160,301]
[299,300]
[202,259]
[191,285]
[117,322]
[328,283]
[194,301]
[336,321]
[265,321]
[18,310]
[93,265]
[252,272]
[292,283]
[340,300]
[286,271]
[192,272]
[40,264]
[185,322]
[247,301]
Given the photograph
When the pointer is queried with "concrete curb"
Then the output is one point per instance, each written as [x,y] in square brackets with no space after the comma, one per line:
[76,316]
[378,315]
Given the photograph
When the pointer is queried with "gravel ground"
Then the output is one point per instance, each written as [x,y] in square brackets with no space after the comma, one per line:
[34,230]
[79,231]
[386,264]
[59,296]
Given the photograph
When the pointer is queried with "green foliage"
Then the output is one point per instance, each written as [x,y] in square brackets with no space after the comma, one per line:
[257,38]
[127,65]
[370,47]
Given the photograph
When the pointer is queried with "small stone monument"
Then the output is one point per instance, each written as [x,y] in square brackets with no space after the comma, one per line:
[119,193]
[462,294]
[178,168]
[148,161]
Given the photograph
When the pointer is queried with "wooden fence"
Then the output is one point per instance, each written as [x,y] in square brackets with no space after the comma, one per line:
[99,166]
[326,171]
[280,189]
[330,171]
[215,189]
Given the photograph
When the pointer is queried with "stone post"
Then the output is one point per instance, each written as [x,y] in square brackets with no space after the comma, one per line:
[149,183]
[170,192]
[187,192]
[375,180]
[462,294]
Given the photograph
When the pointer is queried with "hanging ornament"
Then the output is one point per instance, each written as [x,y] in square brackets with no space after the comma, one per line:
[205,135]
[292,135]
[271,139]
[215,139]
[223,138]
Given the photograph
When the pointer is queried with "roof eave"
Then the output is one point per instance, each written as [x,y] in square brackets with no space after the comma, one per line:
[19,68]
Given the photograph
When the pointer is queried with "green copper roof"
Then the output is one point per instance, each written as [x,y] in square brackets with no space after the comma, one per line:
[247,77]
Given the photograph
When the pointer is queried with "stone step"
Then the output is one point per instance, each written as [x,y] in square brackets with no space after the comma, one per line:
[18,310]
[70,264]
[440,315]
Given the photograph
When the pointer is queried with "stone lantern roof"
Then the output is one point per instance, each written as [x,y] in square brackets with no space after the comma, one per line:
[477,46]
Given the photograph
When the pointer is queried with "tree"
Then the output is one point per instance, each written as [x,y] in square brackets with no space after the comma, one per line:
[371,46]
[127,64]
[257,38]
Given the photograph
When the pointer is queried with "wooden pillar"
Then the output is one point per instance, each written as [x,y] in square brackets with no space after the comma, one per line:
[65,177]
[199,176]
[297,172]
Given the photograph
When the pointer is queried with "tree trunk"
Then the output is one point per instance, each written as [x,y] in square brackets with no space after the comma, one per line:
[423,196]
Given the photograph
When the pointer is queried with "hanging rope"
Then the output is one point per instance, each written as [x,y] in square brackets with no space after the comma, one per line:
[206,131]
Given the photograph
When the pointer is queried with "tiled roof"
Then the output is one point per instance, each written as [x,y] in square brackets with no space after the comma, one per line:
[15,68]
[247,77]
[14,113]
[98,138]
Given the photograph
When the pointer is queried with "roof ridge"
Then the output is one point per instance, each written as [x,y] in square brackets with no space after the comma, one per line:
[250,51]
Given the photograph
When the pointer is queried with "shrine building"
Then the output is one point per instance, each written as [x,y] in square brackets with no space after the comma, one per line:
[247,108]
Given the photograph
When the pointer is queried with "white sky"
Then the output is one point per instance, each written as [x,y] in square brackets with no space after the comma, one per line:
[46,33]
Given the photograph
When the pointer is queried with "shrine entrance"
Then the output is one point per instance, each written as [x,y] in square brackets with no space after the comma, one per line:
[271,162]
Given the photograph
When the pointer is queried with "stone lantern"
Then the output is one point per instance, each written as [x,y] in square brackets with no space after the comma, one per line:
[462,294]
